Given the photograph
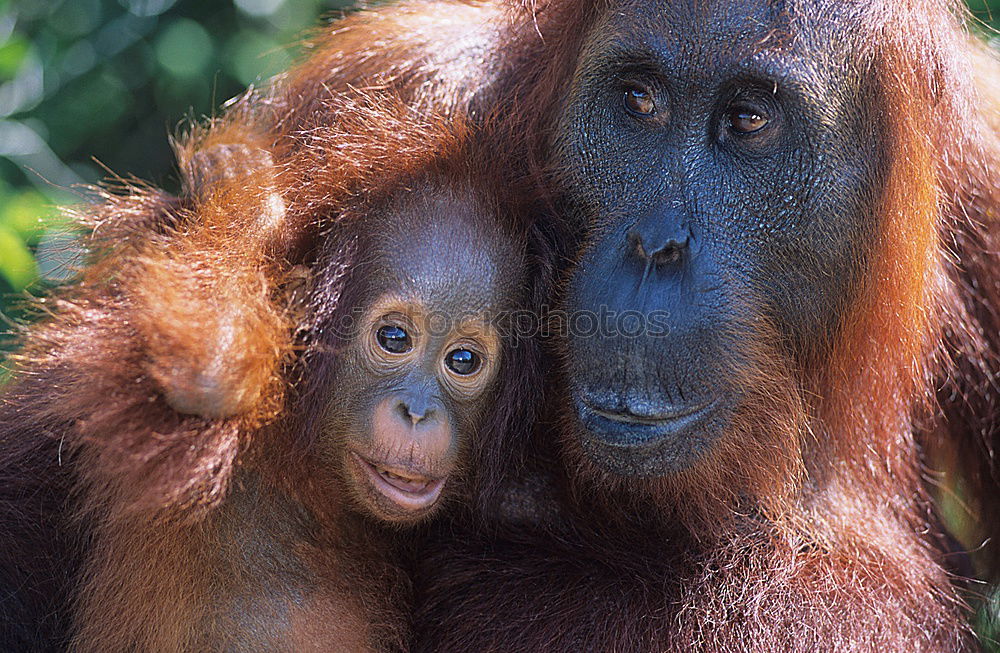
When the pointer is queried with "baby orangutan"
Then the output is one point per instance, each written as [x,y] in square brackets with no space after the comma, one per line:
[389,376]
[411,384]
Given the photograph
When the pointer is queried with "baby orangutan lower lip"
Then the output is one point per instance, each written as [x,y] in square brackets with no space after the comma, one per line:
[409,491]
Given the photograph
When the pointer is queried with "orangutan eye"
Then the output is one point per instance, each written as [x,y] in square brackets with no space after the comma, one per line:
[463,361]
[393,339]
[746,120]
[639,102]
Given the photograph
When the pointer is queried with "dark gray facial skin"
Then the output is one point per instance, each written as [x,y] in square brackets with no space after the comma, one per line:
[413,382]
[726,166]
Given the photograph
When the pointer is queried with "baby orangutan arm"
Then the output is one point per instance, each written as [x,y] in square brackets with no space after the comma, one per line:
[205,304]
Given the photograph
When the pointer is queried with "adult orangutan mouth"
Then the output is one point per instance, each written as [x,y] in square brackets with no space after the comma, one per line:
[657,419]
[410,491]
[626,429]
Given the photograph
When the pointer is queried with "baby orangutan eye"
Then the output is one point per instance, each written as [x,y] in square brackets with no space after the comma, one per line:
[463,361]
[394,339]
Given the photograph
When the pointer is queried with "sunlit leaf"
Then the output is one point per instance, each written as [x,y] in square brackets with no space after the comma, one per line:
[17,265]
[27,213]
[12,54]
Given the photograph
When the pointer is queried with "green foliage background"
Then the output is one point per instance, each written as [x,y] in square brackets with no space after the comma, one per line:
[93,88]
[90,89]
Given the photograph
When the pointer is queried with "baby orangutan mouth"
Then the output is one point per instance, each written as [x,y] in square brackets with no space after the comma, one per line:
[410,492]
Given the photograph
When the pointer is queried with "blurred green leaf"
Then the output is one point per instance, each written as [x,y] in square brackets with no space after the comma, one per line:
[147,7]
[89,107]
[987,11]
[259,7]
[78,17]
[27,214]
[988,622]
[17,265]
[254,57]
[184,49]
[12,54]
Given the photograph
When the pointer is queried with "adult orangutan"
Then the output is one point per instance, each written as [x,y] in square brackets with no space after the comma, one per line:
[804,195]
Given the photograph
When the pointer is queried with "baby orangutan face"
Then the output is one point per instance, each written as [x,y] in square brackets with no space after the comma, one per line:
[429,384]
[413,384]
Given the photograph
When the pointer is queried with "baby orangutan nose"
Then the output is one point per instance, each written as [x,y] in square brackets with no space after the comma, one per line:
[414,410]
[412,453]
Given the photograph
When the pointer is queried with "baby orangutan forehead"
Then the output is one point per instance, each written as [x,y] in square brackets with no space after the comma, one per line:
[448,252]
